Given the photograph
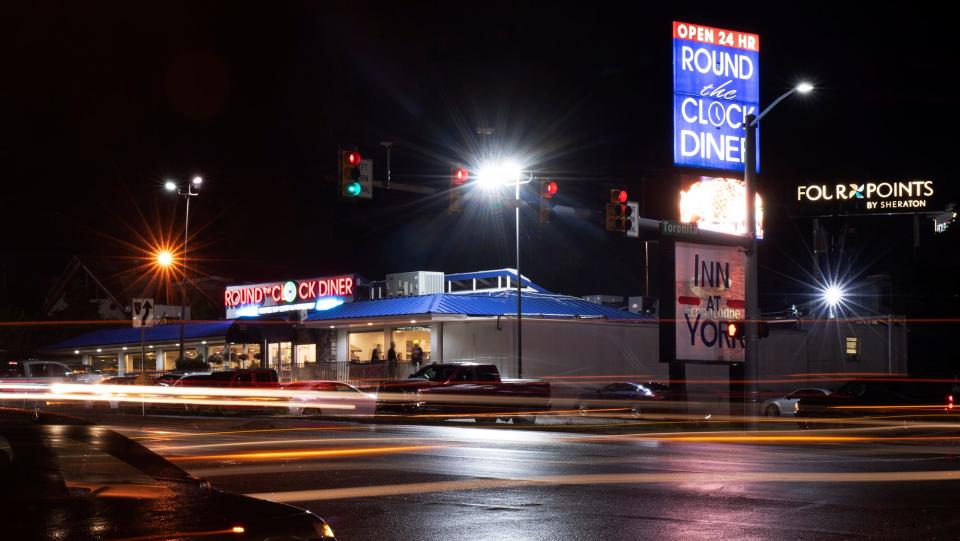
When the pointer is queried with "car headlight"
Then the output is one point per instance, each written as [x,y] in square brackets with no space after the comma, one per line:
[323,529]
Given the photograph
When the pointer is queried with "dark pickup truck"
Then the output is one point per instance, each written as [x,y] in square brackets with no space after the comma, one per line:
[465,390]
[880,397]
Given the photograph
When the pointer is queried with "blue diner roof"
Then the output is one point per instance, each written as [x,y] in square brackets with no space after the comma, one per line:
[159,333]
[502,303]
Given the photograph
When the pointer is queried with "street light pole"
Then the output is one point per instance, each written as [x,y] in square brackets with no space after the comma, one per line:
[752,316]
[190,192]
[492,177]
[183,280]
[519,284]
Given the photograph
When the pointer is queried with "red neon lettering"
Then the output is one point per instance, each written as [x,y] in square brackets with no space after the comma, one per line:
[349,286]
[322,288]
[305,290]
[226,297]
[276,292]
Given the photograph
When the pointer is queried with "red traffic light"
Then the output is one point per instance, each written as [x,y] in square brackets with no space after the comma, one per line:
[460,176]
[352,158]
[618,196]
[548,189]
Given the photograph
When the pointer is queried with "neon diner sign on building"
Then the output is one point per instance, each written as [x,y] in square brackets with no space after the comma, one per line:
[292,295]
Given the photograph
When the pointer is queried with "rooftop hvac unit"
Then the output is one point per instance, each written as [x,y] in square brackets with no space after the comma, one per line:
[611,301]
[405,284]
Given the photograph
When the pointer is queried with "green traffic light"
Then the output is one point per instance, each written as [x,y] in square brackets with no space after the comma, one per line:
[352,189]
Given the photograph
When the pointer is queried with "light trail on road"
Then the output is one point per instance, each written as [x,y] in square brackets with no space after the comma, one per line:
[304,453]
[608,479]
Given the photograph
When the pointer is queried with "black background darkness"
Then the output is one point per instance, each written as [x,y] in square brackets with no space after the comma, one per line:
[99,102]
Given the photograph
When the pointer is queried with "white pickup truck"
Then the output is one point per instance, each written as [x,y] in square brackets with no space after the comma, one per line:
[35,371]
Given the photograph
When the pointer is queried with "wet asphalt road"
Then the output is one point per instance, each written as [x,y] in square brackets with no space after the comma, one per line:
[464,482]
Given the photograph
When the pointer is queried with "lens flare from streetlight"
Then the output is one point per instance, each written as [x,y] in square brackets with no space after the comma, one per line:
[164,258]
[504,173]
[170,186]
[833,294]
[804,87]
[197,180]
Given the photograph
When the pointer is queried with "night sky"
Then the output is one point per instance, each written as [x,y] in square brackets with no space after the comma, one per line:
[102,102]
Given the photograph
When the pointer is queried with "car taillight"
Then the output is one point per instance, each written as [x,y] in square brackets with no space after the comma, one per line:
[949,402]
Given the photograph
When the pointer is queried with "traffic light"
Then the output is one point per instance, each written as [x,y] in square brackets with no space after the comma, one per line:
[619,214]
[736,329]
[458,177]
[763,329]
[350,173]
[548,189]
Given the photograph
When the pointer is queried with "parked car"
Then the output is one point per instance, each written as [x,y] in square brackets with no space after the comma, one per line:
[34,371]
[63,478]
[632,397]
[879,398]
[264,378]
[172,379]
[250,378]
[465,388]
[84,373]
[786,405]
[128,379]
[317,394]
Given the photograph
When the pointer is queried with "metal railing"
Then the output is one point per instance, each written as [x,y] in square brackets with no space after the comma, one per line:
[357,374]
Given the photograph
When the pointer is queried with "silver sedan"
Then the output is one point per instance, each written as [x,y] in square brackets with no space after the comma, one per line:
[786,405]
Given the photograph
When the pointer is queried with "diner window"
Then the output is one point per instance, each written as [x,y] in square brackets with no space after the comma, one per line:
[406,338]
[363,344]
[242,356]
[280,353]
[306,353]
[170,359]
[853,348]
[104,364]
[132,362]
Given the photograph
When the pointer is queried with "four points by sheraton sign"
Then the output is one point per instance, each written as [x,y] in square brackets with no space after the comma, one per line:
[716,84]
[875,195]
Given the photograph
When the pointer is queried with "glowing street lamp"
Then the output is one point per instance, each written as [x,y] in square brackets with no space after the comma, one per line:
[164,258]
[833,295]
[492,176]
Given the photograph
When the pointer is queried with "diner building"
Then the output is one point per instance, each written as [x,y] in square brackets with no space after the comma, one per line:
[343,327]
